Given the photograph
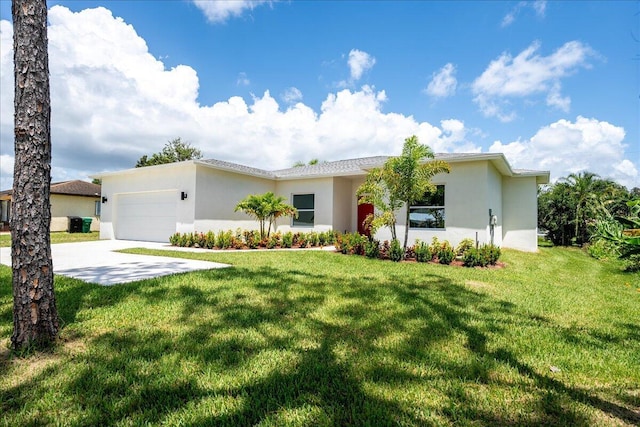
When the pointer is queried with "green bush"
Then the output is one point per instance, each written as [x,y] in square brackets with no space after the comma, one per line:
[353,244]
[174,239]
[602,249]
[224,239]
[251,238]
[446,254]
[287,239]
[490,253]
[481,257]
[209,240]
[472,258]
[435,246]
[464,246]
[372,249]
[314,239]
[274,240]
[423,252]
[395,251]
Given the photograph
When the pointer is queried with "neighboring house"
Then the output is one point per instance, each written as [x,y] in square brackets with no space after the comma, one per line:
[151,203]
[68,198]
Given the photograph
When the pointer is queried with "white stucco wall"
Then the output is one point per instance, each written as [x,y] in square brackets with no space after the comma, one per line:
[178,177]
[63,206]
[520,210]
[467,202]
[494,199]
[343,204]
[322,188]
[218,192]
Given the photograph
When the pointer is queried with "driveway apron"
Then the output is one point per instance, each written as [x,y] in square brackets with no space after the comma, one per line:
[97,261]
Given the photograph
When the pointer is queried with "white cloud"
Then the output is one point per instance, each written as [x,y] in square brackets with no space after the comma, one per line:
[538,6]
[359,62]
[6,170]
[220,10]
[566,147]
[112,102]
[443,83]
[291,95]
[243,80]
[529,74]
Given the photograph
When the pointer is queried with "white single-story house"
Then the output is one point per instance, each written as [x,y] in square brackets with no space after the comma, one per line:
[67,198]
[482,196]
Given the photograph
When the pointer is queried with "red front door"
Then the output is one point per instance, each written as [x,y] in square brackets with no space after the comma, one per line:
[364,210]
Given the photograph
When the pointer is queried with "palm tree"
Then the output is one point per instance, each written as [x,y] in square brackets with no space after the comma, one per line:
[266,208]
[583,186]
[401,181]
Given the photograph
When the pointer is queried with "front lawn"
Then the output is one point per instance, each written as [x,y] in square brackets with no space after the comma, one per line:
[318,338]
[57,237]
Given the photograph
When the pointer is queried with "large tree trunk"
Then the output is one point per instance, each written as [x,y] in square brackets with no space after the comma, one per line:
[35,317]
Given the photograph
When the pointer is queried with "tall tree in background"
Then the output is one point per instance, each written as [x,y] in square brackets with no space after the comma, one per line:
[173,151]
[582,186]
[35,317]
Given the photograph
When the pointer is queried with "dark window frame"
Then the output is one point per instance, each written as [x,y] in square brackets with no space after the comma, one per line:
[299,222]
[433,207]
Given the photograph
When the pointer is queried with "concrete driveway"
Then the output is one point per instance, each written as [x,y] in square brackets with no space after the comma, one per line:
[96,262]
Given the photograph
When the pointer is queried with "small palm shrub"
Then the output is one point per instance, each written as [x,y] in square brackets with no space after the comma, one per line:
[395,251]
[423,252]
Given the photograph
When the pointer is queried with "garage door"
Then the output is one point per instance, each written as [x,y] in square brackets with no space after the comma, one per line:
[149,216]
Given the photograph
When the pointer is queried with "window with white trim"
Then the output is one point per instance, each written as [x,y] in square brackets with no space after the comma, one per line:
[305,204]
[428,212]
[98,207]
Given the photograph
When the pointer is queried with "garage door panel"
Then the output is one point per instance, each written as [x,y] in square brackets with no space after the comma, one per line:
[146,216]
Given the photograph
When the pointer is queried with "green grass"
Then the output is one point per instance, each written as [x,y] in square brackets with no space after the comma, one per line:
[57,237]
[315,338]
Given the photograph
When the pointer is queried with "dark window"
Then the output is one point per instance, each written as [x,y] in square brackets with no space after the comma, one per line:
[305,204]
[428,212]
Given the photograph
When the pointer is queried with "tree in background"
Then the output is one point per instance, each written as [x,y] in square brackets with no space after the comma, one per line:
[623,233]
[569,209]
[35,316]
[402,180]
[266,209]
[173,151]
[300,163]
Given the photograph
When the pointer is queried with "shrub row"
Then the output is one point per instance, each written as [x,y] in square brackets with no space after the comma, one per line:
[437,251]
[250,239]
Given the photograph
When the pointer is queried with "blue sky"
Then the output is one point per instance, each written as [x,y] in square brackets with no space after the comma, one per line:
[553,85]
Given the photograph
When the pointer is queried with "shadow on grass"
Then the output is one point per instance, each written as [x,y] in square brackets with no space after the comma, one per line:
[321,347]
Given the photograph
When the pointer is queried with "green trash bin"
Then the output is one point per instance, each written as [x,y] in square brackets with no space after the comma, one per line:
[86,225]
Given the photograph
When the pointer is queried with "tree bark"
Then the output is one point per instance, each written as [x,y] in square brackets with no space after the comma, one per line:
[35,317]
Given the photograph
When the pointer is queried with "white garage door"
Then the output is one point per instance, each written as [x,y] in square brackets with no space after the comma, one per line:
[149,216]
